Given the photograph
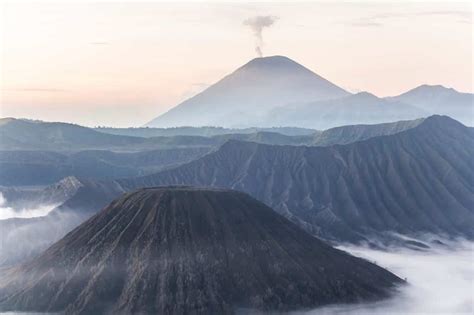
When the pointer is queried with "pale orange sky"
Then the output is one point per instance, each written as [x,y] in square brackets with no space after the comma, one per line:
[123,64]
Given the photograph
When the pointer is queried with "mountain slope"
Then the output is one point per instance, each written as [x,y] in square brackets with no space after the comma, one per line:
[149,132]
[46,167]
[437,99]
[353,133]
[242,97]
[19,134]
[417,178]
[420,180]
[180,250]
[361,108]
[29,134]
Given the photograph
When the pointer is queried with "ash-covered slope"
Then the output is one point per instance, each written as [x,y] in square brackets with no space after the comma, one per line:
[180,250]
[416,181]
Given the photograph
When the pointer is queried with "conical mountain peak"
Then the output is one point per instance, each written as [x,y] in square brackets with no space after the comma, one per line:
[249,93]
[181,250]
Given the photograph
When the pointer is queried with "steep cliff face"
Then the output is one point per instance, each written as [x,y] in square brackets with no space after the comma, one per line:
[179,250]
[419,180]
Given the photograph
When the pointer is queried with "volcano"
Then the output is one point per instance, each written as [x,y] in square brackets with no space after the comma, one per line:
[180,250]
[244,97]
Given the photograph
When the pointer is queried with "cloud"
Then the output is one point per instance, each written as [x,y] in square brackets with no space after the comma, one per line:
[462,16]
[366,24]
[257,24]
[439,281]
[378,20]
[9,212]
[35,89]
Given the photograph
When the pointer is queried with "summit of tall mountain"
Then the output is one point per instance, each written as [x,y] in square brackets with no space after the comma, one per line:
[244,96]
[183,250]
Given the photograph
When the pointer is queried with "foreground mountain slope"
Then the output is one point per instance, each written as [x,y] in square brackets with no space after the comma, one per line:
[420,180]
[240,98]
[180,250]
[437,99]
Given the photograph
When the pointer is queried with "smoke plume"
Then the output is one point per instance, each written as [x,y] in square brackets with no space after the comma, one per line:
[257,24]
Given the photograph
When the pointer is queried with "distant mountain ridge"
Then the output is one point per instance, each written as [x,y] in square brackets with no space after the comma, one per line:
[18,168]
[356,109]
[30,164]
[149,132]
[420,180]
[438,99]
[407,177]
[276,91]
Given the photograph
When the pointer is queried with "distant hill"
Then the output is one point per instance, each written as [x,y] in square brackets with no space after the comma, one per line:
[243,97]
[361,108]
[29,134]
[38,167]
[19,168]
[182,250]
[437,99]
[353,133]
[149,132]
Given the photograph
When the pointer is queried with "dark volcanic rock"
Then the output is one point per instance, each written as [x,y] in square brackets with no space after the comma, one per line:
[186,250]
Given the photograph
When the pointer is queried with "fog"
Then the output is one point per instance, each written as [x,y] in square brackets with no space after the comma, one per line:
[21,239]
[7,212]
[441,281]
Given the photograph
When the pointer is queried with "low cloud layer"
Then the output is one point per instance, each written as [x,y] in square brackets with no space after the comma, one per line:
[440,281]
[7,212]
[257,24]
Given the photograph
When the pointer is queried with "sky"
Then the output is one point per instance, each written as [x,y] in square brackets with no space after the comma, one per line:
[122,64]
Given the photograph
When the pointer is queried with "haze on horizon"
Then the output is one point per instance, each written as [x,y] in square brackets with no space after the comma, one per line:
[123,64]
